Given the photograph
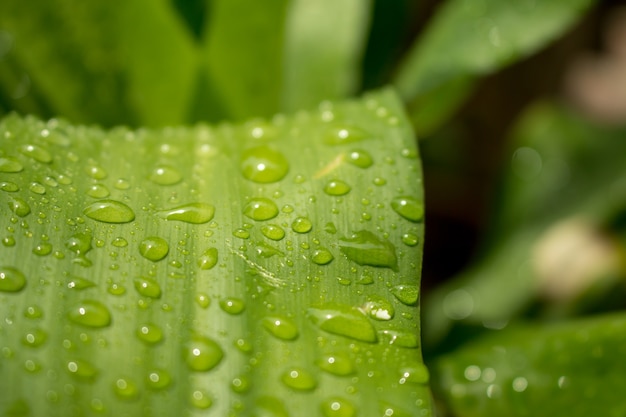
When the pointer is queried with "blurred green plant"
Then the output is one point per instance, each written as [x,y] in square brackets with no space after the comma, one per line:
[556,247]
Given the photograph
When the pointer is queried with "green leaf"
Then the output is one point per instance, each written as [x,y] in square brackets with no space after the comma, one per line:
[468,39]
[571,369]
[151,272]
[99,62]
[324,43]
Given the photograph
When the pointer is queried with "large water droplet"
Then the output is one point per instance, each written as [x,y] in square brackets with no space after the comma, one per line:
[11,279]
[165,175]
[336,364]
[10,165]
[38,153]
[365,248]
[232,305]
[360,158]
[79,243]
[19,206]
[158,379]
[263,164]
[379,308]
[90,313]
[150,333]
[260,209]
[322,256]
[109,211]
[301,225]
[337,188]
[408,207]
[148,287]
[125,389]
[337,407]
[208,259]
[273,231]
[154,248]
[9,187]
[299,379]
[281,327]
[202,354]
[406,293]
[343,321]
[194,213]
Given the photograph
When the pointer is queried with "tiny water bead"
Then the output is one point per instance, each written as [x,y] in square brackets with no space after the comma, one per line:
[341,135]
[406,293]
[408,207]
[337,188]
[19,206]
[410,239]
[337,407]
[365,248]
[273,231]
[260,209]
[193,213]
[241,233]
[10,165]
[148,287]
[158,379]
[109,211]
[11,279]
[232,305]
[125,389]
[37,153]
[79,283]
[32,311]
[202,354]
[81,369]
[119,242]
[281,327]
[343,321]
[200,400]
[322,256]
[299,379]
[208,259]
[154,248]
[203,300]
[150,333]
[301,225]
[360,158]
[96,172]
[336,364]
[264,164]
[400,338]
[417,373]
[90,313]
[240,384]
[165,175]
[98,191]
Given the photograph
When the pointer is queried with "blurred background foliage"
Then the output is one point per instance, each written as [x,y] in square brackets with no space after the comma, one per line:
[519,107]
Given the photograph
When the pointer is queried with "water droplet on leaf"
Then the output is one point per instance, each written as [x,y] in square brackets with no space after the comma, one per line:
[260,209]
[203,354]
[154,248]
[409,208]
[263,164]
[208,259]
[109,211]
[11,279]
[281,327]
[90,313]
[343,321]
[365,248]
[299,379]
[194,213]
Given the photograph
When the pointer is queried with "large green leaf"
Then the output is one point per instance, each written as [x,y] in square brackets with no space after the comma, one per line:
[468,39]
[573,369]
[268,268]
[100,62]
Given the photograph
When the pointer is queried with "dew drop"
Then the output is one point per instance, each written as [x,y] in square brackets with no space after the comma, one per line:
[109,211]
[240,384]
[42,249]
[34,338]
[154,248]
[122,184]
[9,187]
[260,209]
[11,279]
[301,225]
[150,333]
[208,259]
[116,289]
[299,379]
[338,407]
[90,313]
[243,345]
[410,239]
[414,374]
[81,369]
[409,208]
[193,213]
[337,188]
[158,379]
[200,400]
[406,293]
[203,300]
[202,354]
[322,256]
[119,242]
[33,312]
[10,165]
[165,175]
[8,241]
[341,135]
[266,251]
[263,164]
[241,233]
[232,305]
[96,172]
[379,308]
[79,243]
[98,191]
[360,158]
[281,327]
[37,153]
[365,248]
[125,389]
[148,287]
[19,206]
[273,231]
[37,188]
[336,364]
[343,321]
[400,338]
[79,283]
